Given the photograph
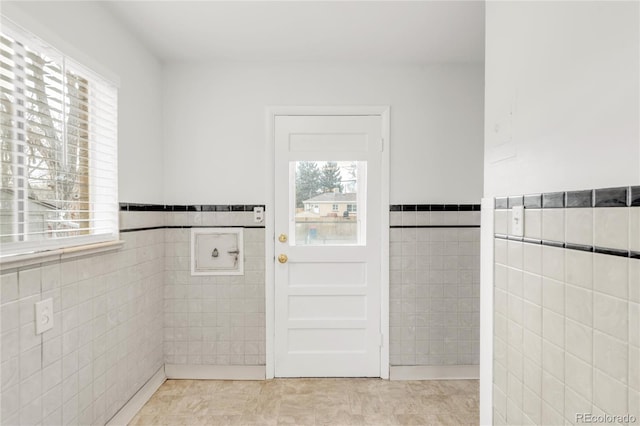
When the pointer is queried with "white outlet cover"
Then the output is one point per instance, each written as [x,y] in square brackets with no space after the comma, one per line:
[44,315]
[517,221]
[258,214]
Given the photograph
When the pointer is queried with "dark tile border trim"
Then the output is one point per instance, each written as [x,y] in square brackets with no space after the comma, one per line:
[532,241]
[553,200]
[557,244]
[515,201]
[131,207]
[432,226]
[612,252]
[141,207]
[571,246]
[434,207]
[611,197]
[151,228]
[214,226]
[624,196]
[574,199]
[579,247]
[635,196]
[134,207]
[188,227]
[533,201]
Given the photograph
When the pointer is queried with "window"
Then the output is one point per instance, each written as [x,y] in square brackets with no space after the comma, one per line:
[330,192]
[58,133]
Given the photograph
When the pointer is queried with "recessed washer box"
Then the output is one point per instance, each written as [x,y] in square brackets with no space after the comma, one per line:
[217,251]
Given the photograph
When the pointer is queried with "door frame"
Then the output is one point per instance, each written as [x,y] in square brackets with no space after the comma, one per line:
[271,113]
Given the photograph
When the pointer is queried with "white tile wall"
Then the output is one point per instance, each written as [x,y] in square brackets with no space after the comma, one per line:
[142,219]
[634,229]
[579,226]
[434,290]
[552,224]
[216,320]
[574,347]
[109,338]
[532,223]
[611,227]
[106,341]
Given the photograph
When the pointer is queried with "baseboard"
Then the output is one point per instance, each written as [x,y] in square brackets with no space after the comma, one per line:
[213,372]
[137,401]
[435,372]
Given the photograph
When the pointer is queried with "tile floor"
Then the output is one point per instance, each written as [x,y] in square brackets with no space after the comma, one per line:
[312,402]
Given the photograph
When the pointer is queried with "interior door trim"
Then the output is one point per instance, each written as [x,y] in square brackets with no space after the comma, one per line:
[271,113]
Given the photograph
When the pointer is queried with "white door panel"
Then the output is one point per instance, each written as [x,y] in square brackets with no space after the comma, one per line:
[327,307]
[323,274]
[327,294]
[334,143]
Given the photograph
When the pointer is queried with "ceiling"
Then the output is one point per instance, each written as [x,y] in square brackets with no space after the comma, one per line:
[417,32]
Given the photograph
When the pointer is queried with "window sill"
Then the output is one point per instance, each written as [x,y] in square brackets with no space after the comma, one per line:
[28,259]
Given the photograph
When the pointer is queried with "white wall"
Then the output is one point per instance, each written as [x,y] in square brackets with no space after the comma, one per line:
[215,126]
[562,95]
[561,112]
[87,29]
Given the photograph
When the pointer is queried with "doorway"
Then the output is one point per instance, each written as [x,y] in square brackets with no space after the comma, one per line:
[327,284]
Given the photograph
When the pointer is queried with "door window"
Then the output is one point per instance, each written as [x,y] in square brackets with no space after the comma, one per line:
[325,196]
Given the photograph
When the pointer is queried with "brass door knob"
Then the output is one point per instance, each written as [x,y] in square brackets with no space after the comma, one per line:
[283,258]
[282,238]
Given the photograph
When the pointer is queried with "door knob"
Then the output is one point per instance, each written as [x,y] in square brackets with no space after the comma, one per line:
[282,238]
[283,258]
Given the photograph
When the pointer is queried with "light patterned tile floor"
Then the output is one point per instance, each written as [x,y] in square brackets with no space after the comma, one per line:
[312,402]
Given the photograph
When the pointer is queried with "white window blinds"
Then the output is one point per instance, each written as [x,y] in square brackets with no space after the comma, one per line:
[59,148]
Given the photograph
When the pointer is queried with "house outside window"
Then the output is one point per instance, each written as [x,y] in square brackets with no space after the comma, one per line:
[58,133]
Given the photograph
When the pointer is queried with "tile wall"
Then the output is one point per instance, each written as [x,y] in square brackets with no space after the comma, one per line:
[210,320]
[217,320]
[434,285]
[107,336]
[567,307]
[119,316]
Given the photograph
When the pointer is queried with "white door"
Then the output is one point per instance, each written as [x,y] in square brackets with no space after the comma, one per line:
[327,246]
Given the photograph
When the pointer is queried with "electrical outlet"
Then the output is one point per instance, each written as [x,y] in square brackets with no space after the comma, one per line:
[258,214]
[44,315]
[517,221]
